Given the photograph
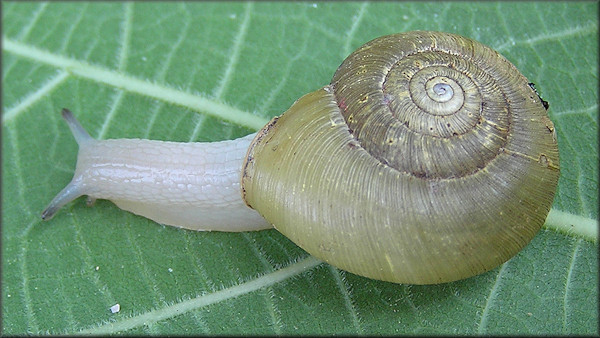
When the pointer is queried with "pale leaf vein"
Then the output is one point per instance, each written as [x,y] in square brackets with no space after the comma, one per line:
[143,87]
[186,306]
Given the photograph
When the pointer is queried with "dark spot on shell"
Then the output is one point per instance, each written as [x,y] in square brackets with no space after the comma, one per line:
[420,174]
[544,102]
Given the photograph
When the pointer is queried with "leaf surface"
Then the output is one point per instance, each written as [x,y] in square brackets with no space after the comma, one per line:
[204,72]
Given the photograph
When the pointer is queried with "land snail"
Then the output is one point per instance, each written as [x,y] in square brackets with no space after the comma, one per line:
[428,158]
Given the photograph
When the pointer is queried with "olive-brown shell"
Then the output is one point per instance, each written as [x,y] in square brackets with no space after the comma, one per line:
[428,159]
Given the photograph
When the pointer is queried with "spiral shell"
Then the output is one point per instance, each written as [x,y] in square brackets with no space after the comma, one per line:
[428,159]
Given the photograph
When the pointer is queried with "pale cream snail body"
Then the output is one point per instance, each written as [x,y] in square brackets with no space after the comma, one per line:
[429,158]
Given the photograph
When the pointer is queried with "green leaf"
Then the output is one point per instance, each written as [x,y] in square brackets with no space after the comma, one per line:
[213,71]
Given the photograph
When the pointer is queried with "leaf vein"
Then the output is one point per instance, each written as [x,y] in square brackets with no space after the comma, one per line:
[122,64]
[235,53]
[166,63]
[566,304]
[26,29]
[145,272]
[268,101]
[125,35]
[490,300]
[31,318]
[72,28]
[32,98]
[569,32]
[340,280]
[356,20]
[116,102]
[573,225]
[579,111]
[88,260]
[269,295]
[186,306]
[143,87]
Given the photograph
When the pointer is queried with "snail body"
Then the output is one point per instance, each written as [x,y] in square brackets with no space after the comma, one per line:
[428,159]
[190,185]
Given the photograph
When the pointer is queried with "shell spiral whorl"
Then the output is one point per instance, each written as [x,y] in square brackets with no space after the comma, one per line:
[427,159]
[445,98]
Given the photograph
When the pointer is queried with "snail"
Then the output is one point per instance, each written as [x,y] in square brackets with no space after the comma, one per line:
[429,158]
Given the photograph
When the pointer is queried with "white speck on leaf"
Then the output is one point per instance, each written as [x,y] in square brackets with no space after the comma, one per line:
[170,270]
[115,308]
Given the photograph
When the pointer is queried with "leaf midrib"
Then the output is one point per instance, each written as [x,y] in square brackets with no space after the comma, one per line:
[123,81]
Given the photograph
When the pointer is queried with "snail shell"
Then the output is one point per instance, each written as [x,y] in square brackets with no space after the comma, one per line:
[428,159]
